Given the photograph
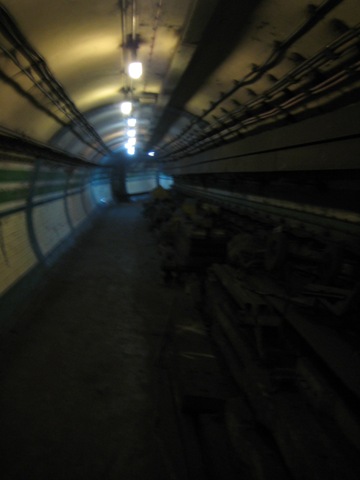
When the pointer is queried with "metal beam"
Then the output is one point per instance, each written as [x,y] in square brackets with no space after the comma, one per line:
[226,27]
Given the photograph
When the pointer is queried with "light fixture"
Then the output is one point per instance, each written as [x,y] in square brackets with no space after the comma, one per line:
[131,122]
[131,141]
[126,108]
[135,70]
[131,132]
[151,154]
[131,150]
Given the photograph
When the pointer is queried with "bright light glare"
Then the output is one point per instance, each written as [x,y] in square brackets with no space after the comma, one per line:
[151,154]
[131,133]
[131,122]
[126,108]
[131,150]
[131,141]
[135,70]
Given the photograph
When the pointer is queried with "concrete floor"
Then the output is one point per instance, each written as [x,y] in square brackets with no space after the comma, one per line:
[79,375]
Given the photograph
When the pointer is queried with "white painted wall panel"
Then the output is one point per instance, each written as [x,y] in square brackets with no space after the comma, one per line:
[134,186]
[88,199]
[50,225]
[76,209]
[16,254]
[102,192]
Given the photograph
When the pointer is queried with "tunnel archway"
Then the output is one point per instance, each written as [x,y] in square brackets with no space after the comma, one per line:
[251,110]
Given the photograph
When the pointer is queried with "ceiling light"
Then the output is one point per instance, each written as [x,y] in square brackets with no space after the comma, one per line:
[131,133]
[151,154]
[126,108]
[131,122]
[131,150]
[131,141]
[135,70]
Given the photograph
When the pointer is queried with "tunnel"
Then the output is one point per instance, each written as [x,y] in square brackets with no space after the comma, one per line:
[179,239]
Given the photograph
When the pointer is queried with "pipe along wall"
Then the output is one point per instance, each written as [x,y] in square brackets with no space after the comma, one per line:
[43,207]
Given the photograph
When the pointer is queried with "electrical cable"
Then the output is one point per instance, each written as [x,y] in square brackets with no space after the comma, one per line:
[274,59]
[48,84]
[237,118]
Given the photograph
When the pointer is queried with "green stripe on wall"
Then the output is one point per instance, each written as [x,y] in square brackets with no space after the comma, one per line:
[23,175]
[14,195]
[14,175]
[23,193]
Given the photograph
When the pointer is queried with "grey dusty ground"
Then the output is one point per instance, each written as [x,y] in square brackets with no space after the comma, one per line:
[79,378]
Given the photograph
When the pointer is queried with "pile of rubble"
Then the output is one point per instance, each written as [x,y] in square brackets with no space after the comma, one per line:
[278,304]
[191,235]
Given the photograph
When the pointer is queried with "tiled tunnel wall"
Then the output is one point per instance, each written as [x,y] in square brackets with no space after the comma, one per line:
[43,206]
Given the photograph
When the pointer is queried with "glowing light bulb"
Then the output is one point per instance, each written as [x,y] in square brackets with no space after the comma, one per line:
[151,154]
[126,107]
[135,70]
[131,133]
[131,141]
[131,150]
[131,122]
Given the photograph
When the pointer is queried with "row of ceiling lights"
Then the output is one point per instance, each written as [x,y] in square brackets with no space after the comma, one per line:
[131,43]
[135,69]
[135,72]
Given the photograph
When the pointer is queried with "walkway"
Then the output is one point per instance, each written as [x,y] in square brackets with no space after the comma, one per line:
[78,379]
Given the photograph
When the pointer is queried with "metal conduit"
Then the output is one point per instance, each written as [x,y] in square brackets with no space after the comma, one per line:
[46,83]
[274,59]
[245,115]
[12,145]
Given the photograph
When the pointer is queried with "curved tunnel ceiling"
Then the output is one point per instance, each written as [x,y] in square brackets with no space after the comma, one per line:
[213,71]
